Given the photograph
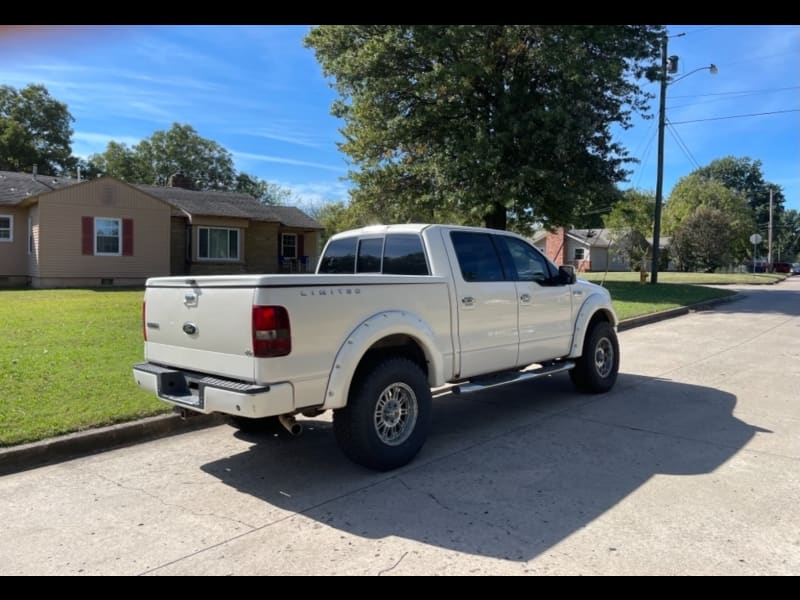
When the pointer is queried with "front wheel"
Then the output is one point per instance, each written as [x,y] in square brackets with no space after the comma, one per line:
[596,370]
[387,417]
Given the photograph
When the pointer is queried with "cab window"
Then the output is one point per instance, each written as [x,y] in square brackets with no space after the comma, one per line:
[340,256]
[528,264]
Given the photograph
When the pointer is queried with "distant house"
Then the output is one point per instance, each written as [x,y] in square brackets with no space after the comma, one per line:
[58,232]
[585,249]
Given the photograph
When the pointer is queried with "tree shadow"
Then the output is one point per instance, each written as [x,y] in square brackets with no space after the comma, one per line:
[507,473]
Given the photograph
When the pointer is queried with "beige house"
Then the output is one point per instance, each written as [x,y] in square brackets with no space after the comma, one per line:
[58,232]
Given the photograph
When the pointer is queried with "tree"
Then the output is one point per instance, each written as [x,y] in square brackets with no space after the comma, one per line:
[338,216]
[179,150]
[744,175]
[263,191]
[787,237]
[500,125]
[121,162]
[629,224]
[703,242]
[695,191]
[34,130]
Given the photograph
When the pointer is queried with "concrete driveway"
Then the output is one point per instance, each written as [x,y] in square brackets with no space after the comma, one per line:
[691,465]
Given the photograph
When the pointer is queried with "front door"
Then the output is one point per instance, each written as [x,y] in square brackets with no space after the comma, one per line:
[487,305]
[545,303]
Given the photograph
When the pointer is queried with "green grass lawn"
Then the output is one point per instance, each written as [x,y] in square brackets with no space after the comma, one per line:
[692,278]
[65,362]
[632,299]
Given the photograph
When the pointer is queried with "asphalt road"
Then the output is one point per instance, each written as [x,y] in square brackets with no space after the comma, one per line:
[691,465]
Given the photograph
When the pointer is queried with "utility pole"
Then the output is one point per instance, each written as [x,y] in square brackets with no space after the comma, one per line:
[662,104]
[769,233]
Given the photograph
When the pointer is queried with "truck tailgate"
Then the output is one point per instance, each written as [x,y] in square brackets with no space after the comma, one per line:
[205,329]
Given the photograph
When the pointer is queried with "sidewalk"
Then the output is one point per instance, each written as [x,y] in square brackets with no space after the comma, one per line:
[82,443]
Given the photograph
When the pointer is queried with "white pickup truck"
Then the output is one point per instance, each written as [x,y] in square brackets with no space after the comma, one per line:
[391,312]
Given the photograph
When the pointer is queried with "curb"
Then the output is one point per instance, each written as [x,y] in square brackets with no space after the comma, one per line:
[93,441]
[674,312]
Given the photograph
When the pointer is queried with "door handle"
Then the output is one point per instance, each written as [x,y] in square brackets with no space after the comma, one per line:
[468,301]
[525,298]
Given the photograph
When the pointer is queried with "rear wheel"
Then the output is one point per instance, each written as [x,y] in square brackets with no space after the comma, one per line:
[596,370]
[387,417]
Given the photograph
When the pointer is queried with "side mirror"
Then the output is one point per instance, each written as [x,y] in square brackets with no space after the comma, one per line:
[567,273]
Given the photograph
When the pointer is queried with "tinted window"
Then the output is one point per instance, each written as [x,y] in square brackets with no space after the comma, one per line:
[528,263]
[403,255]
[369,255]
[477,256]
[340,257]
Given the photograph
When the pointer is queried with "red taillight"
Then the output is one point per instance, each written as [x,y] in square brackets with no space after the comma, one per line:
[271,333]
[144,320]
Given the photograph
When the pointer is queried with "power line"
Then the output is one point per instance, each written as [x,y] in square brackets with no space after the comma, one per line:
[794,87]
[732,96]
[644,159]
[768,56]
[682,145]
[774,112]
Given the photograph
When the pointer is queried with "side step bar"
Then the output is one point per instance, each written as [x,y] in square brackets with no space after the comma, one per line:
[484,383]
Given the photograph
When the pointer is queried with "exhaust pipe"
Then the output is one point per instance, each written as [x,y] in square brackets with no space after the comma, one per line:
[290,424]
[185,413]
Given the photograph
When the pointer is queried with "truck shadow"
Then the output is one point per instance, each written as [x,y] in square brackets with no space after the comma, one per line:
[507,473]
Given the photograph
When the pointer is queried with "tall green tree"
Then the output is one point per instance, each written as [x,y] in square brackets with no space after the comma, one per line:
[630,222]
[263,191]
[704,241]
[744,175]
[177,150]
[695,191]
[499,124]
[119,161]
[35,130]
[787,237]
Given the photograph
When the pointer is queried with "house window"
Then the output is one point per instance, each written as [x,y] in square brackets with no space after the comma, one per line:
[580,253]
[6,228]
[107,237]
[30,235]
[289,245]
[216,243]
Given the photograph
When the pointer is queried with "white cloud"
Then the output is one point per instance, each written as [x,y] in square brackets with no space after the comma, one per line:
[287,161]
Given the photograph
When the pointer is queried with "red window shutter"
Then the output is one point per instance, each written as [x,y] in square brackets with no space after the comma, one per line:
[301,250]
[127,237]
[87,235]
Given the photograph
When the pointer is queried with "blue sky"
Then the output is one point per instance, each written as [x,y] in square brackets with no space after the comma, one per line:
[259,93]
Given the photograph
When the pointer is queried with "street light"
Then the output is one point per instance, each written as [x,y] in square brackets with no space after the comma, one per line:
[662,103]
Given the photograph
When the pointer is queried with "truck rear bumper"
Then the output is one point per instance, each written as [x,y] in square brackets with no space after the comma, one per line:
[208,394]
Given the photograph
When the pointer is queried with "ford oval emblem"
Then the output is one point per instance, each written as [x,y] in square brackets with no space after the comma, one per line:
[189,328]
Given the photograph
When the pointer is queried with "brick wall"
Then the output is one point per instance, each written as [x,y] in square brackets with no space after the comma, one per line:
[555,246]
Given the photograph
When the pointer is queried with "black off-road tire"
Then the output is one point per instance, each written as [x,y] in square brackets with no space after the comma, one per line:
[596,370]
[387,417]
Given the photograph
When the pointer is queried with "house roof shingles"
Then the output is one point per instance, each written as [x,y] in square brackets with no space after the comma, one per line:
[16,187]
[229,204]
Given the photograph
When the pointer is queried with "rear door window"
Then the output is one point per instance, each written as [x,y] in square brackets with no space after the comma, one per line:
[403,255]
[477,256]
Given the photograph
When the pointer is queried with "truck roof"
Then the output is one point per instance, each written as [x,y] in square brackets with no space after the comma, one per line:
[403,228]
